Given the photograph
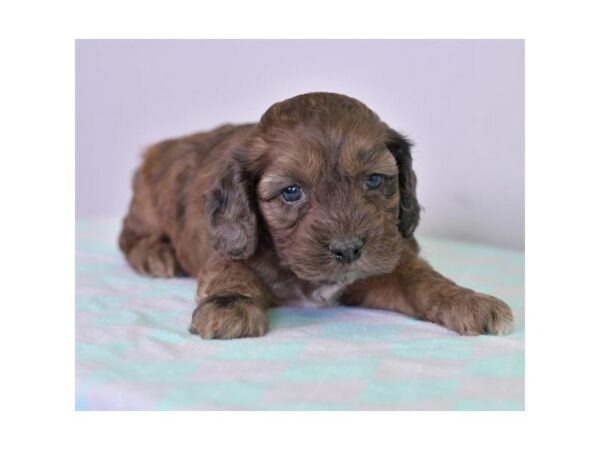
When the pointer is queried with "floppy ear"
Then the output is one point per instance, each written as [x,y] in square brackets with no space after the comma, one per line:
[231,211]
[409,206]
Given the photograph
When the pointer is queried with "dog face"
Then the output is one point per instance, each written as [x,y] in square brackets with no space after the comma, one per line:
[324,182]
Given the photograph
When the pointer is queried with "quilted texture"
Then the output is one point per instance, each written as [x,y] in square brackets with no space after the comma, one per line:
[133,351]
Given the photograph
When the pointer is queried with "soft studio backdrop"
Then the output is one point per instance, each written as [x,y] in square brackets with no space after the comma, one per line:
[460,101]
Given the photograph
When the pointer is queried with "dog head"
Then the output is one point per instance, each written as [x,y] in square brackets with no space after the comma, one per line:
[323,181]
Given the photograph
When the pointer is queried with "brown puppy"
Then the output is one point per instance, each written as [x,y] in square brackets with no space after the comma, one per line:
[315,203]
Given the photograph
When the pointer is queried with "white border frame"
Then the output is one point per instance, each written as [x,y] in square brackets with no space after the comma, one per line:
[562,73]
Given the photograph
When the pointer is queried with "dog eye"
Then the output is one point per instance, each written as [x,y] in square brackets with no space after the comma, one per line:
[373,181]
[292,193]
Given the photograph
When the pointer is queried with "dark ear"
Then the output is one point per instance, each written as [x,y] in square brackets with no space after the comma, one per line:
[231,211]
[409,206]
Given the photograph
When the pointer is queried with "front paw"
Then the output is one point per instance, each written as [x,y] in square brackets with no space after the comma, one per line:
[229,317]
[470,313]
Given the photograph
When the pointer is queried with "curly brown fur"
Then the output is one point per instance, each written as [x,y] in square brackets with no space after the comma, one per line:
[211,205]
[229,317]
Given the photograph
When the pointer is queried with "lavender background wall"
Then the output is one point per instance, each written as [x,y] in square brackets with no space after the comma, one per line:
[462,102]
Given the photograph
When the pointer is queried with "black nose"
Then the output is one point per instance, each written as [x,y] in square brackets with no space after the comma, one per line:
[346,250]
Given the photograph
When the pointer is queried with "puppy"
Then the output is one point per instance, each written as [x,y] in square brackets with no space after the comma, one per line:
[316,203]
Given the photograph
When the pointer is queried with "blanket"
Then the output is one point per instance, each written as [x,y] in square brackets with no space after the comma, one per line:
[133,350]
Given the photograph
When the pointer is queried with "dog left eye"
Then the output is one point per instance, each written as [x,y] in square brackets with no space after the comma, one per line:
[292,193]
[374,180]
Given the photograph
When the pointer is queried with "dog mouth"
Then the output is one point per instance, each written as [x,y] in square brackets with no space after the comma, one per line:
[319,264]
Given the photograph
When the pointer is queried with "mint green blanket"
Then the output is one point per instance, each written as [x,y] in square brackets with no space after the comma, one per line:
[133,351]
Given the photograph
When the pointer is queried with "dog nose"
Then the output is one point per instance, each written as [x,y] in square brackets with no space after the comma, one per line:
[346,250]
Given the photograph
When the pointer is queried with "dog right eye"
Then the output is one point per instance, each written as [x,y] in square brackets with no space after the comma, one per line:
[292,193]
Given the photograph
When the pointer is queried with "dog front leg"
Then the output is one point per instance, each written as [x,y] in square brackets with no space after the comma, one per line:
[415,289]
[232,302]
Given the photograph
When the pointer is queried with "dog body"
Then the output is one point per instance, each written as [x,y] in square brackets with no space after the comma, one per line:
[314,204]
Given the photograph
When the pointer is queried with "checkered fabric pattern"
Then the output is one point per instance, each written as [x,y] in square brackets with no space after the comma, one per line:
[133,351]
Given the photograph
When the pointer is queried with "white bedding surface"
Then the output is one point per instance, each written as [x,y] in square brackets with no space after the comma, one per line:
[133,350]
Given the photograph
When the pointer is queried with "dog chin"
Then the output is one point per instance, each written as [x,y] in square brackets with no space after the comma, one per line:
[351,277]
[346,277]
